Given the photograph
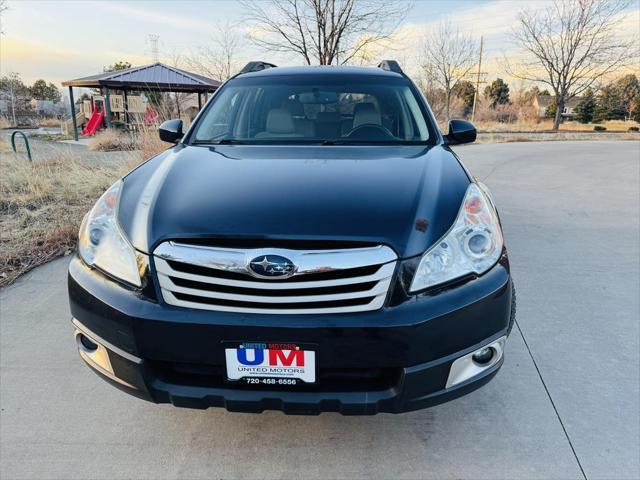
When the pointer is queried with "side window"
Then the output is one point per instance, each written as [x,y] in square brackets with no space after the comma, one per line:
[217,124]
[418,120]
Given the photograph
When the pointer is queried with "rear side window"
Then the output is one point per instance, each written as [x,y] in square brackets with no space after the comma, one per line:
[315,109]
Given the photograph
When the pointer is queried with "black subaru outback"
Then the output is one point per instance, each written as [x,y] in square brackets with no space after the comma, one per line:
[310,244]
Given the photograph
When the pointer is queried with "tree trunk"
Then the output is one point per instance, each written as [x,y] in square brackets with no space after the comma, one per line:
[13,111]
[448,110]
[559,109]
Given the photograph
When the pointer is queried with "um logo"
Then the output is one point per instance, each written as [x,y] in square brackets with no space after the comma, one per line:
[272,358]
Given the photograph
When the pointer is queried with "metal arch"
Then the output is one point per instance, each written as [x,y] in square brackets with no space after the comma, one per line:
[26,143]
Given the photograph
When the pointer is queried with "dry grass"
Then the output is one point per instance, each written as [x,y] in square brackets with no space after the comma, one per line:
[547,124]
[42,205]
[145,140]
[49,122]
[502,137]
[111,140]
[149,142]
[5,147]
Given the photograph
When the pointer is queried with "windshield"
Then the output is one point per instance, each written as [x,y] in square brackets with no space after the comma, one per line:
[324,109]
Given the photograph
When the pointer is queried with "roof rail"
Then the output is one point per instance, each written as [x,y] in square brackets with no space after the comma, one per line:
[390,66]
[256,67]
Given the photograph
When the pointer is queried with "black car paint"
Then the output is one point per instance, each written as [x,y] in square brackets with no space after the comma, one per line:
[403,196]
[418,339]
[373,194]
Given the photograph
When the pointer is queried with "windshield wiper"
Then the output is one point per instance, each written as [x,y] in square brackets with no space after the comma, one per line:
[368,142]
[223,141]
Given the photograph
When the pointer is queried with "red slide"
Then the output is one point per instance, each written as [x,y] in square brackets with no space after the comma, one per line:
[94,122]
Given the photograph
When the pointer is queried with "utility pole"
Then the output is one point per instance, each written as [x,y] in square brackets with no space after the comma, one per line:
[475,97]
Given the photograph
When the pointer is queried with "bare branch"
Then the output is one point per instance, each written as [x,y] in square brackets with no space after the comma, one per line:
[448,57]
[324,31]
[218,58]
[571,45]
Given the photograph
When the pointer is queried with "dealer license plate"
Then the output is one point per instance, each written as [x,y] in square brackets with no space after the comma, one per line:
[270,363]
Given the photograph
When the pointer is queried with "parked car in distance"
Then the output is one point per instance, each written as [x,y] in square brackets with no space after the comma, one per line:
[310,244]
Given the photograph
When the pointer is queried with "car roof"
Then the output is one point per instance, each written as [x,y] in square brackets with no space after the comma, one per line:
[321,70]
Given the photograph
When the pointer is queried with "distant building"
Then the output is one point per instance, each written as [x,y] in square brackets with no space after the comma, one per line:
[189,105]
[541,102]
[43,107]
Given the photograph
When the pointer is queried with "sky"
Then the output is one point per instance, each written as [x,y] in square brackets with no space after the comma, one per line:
[63,39]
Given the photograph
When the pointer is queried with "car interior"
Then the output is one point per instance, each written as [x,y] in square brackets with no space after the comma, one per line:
[324,113]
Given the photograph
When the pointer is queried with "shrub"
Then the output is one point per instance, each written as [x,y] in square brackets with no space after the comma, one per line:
[111,140]
[148,141]
[634,129]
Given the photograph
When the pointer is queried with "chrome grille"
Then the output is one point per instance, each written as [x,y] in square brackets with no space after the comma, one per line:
[326,281]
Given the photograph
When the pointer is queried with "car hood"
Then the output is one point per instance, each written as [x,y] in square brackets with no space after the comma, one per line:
[406,197]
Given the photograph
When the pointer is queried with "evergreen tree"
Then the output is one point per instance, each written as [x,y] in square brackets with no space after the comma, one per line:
[497,92]
[550,111]
[116,67]
[586,108]
[610,105]
[465,91]
[628,88]
[635,109]
[41,91]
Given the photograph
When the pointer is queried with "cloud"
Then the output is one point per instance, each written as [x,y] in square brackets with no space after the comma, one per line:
[492,20]
[152,16]
[37,60]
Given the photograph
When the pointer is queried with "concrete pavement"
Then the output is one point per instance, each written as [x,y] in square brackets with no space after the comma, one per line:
[565,404]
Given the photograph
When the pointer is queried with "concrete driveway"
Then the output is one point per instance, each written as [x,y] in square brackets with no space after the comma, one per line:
[565,404]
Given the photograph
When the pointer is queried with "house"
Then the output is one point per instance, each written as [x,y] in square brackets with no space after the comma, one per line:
[188,105]
[542,102]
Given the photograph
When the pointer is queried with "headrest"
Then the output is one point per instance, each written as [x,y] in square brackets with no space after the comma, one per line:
[328,117]
[364,113]
[279,120]
[294,107]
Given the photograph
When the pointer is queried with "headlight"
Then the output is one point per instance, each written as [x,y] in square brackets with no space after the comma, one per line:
[472,245]
[102,243]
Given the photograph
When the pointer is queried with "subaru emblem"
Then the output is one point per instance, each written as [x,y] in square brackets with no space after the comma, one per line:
[271,266]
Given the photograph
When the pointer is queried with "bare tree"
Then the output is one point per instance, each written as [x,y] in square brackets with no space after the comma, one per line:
[324,31]
[217,59]
[570,46]
[448,57]
[3,7]
[16,94]
[176,59]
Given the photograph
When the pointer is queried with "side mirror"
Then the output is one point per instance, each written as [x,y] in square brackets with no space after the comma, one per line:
[171,131]
[460,131]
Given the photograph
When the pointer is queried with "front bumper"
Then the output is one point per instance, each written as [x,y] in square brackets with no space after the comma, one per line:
[392,360]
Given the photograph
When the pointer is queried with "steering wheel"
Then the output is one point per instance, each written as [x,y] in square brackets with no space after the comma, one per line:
[370,131]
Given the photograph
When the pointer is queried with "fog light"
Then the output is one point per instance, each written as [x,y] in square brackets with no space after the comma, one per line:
[88,344]
[483,356]
[93,353]
[476,363]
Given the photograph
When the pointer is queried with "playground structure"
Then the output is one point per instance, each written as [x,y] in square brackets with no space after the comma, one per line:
[124,96]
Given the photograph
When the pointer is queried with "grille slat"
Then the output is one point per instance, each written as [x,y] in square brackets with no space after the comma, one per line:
[331,281]
[310,277]
[211,287]
[166,283]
